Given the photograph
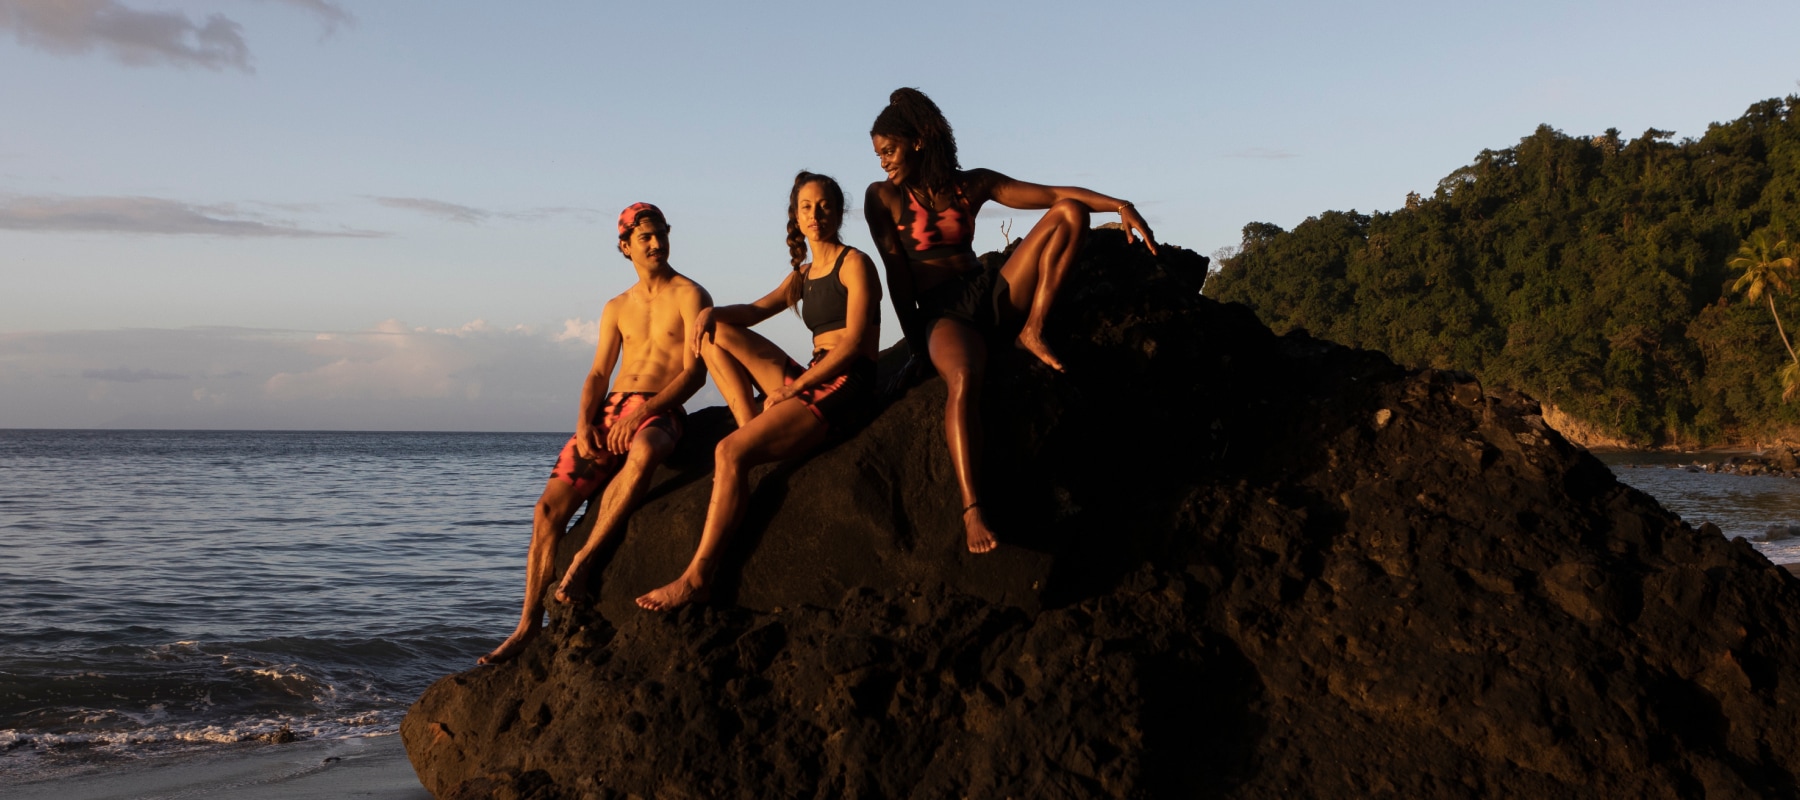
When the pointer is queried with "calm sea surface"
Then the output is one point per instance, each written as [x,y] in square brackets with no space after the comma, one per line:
[164,591]
[1740,505]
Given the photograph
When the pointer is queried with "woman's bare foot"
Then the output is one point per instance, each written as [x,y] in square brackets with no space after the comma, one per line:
[674,595]
[1032,342]
[975,530]
[574,584]
[511,647]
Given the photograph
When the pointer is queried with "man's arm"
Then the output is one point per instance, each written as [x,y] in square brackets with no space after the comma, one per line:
[593,390]
[692,300]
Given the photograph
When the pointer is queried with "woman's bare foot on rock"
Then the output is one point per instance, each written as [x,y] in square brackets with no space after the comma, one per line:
[510,648]
[1032,343]
[674,595]
[975,530]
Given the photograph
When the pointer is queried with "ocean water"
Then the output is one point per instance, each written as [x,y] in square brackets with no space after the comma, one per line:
[165,591]
[1742,506]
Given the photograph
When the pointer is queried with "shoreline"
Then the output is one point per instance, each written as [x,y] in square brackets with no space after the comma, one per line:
[315,769]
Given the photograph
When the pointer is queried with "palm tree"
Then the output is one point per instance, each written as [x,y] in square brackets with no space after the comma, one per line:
[1768,266]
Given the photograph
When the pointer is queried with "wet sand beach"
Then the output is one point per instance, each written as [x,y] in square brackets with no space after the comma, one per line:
[371,767]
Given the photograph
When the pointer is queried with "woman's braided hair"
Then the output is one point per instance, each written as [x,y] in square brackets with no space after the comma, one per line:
[912,115]
[828,227]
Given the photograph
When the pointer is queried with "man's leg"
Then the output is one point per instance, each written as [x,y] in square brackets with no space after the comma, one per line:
[648,449]
[548,521]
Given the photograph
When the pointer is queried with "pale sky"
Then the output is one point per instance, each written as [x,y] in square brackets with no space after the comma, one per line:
[399,215]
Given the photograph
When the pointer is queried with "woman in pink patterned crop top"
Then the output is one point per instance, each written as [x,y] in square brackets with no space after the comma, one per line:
[923,220]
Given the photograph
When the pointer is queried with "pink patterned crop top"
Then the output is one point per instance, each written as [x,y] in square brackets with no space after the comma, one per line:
[929,234]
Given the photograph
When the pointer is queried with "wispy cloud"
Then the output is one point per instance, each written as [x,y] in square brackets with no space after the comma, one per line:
[128,375]
[133,37]
[146,215]
[1263,152]
[470,215]
[331,15]
[142,38]
[547,212]
[392,376]
[436,208]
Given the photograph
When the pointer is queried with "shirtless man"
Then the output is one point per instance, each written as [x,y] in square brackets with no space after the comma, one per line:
[621,437]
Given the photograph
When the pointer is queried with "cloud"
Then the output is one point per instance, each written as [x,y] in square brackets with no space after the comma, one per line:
[331,15]
[145,215]
[127,375]
[436,208]
[1262,152]
[579,330]
[470,215]
[546,212]
[135,38]
[390,377]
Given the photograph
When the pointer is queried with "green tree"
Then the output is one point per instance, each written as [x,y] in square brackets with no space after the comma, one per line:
[1767,266]
[1588,271]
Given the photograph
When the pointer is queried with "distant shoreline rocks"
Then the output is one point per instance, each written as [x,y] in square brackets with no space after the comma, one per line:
[1780,462]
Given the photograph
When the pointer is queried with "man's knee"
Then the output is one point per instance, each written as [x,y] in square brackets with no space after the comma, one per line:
[648,449]
[557,504]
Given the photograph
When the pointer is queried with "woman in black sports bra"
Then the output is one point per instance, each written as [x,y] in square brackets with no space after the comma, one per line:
[839,297]
[923,221]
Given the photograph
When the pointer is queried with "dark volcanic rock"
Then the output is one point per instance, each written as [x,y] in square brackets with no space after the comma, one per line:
[1236,565]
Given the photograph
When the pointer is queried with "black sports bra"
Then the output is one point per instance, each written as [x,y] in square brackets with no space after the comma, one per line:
[824,302]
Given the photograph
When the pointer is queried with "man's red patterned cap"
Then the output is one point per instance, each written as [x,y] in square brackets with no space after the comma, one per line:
[628,218]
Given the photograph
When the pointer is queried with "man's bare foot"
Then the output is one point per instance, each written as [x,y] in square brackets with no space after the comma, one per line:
[674,596]
[509,648]
[1032,343]
[574,584]
[975,530]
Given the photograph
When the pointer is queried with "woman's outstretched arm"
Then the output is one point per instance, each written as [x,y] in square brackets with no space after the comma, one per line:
[1024,195]
[743,315]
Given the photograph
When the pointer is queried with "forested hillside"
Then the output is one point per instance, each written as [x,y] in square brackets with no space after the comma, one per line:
[1590,272]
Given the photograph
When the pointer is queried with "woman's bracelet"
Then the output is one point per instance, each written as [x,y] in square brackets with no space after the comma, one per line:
[1125,205]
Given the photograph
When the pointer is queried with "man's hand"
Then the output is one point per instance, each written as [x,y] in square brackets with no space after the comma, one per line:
[703,330]
[588,443]
[618,437]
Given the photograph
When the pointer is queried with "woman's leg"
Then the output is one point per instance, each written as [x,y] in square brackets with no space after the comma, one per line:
[737,358]
[1035,272]
[960,356]
[788,429]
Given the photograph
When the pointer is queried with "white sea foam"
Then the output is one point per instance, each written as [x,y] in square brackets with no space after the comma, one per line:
[384,586]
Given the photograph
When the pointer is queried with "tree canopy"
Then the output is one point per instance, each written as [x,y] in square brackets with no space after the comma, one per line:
[1590,272]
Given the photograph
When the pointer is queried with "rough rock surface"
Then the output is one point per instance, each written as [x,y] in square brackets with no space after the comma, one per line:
[1236,565]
